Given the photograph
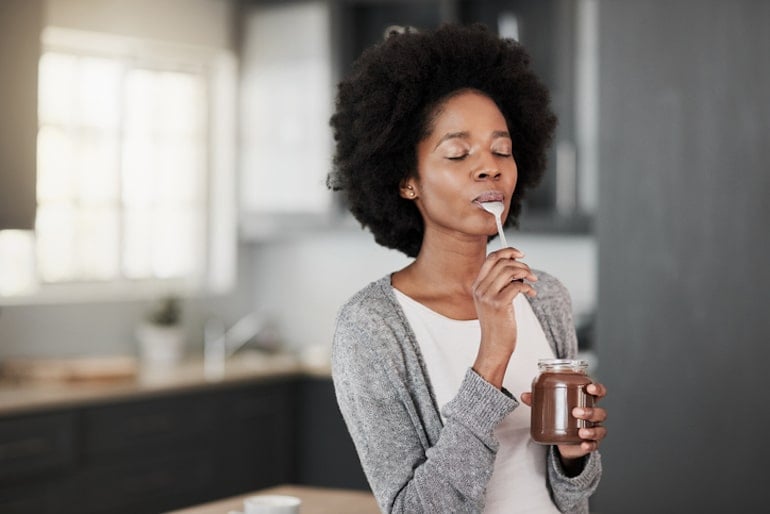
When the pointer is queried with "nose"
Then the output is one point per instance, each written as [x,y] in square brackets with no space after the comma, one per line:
[488,168]
[487,173]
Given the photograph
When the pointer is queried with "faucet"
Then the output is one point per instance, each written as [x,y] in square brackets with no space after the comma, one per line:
[220,343]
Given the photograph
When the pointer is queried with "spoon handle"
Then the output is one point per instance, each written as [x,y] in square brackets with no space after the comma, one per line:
[500,231]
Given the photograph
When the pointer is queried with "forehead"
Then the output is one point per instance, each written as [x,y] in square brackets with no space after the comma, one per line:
[466,110]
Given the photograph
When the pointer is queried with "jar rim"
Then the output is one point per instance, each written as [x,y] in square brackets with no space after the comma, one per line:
[563,363]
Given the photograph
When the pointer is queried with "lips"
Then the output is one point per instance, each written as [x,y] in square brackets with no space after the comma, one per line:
[489,196]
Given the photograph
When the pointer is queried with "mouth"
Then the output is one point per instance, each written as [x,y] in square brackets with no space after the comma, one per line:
[489,196]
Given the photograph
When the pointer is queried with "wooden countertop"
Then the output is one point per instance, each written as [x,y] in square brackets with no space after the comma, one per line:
[17,397]
[315,500]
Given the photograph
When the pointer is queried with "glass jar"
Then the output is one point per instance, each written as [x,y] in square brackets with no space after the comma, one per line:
[559,387]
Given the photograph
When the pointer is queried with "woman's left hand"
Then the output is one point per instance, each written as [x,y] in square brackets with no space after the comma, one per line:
[591,437]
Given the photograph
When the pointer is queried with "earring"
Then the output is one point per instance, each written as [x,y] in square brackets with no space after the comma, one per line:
[411,194]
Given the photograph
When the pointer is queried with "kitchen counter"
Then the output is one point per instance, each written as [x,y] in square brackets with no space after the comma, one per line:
[315,500]
[23,396]
[175,436]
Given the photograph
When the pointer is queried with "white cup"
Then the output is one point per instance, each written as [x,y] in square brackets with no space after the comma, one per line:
[270,504]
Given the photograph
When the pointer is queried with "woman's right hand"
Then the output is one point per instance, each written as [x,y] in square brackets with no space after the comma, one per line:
[500,279]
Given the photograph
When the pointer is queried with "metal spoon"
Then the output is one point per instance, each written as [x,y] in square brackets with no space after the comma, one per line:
[496,209]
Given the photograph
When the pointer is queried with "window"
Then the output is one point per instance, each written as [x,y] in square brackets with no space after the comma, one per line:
[127,157]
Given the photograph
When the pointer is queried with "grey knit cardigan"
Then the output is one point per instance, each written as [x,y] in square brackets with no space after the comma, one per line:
[413,461]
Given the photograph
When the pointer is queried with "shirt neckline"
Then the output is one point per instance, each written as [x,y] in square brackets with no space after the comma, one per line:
[405,297]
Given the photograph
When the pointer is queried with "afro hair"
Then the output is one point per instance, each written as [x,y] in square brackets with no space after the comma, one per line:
[385,105]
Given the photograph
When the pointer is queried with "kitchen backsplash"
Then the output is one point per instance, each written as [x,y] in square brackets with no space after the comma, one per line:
[302,281]
[299,282]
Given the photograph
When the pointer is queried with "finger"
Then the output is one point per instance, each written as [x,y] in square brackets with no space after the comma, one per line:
[501,286]
[508,252]
[589,446]
[503,255]
[597,389]
[526,398]
[576,451]
[521,269]
[593,434]
[509,287]
[505,273]
[528,290]
[592,414]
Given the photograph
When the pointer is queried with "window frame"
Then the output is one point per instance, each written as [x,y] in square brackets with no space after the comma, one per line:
[216,266]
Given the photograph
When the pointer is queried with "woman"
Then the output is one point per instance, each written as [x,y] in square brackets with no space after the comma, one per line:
[429,125]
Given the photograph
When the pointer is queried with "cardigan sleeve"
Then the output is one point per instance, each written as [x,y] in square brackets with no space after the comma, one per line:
[570,494]
[553,308]
[406,473]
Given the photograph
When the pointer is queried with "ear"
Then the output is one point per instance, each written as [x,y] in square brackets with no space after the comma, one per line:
[408,189]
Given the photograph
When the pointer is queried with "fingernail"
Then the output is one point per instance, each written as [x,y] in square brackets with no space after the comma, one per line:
[577,412]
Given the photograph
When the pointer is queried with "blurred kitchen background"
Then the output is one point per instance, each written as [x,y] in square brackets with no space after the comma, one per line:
[163,163]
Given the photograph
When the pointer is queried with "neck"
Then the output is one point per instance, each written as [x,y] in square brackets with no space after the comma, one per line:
[448,264]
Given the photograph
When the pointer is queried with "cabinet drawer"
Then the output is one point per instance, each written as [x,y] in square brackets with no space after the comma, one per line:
[32,445]
[152,484]
[147,425]
[253,403]
[24,500]
[256,441]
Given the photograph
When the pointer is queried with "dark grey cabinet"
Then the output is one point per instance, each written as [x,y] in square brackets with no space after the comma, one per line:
[178,449]
[35,451]
[152,454]
[325,452]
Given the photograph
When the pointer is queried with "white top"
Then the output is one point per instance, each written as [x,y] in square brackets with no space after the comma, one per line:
[449,348]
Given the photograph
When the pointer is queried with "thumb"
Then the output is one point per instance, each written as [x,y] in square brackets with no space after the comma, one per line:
[526,398]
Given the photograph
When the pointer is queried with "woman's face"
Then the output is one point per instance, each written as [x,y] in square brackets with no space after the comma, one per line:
[465,159]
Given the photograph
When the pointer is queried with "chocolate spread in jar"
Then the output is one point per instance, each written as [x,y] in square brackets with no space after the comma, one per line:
[559,387]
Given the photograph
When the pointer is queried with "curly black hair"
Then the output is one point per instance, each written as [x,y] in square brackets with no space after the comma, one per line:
[384,108]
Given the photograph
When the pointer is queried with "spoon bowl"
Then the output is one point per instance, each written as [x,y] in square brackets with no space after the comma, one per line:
[496,209]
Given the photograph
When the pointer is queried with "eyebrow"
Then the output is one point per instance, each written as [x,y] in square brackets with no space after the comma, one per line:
[465,135]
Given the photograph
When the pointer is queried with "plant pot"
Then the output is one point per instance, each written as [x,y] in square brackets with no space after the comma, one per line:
[160,345]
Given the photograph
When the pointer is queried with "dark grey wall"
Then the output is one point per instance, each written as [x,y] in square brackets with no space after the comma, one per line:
[684,254]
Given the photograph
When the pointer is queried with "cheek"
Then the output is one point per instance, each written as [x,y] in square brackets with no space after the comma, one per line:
[440,196]
[436,178]
[514,174]
[443,188]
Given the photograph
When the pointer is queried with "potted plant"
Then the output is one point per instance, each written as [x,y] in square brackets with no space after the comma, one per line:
[160,335]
